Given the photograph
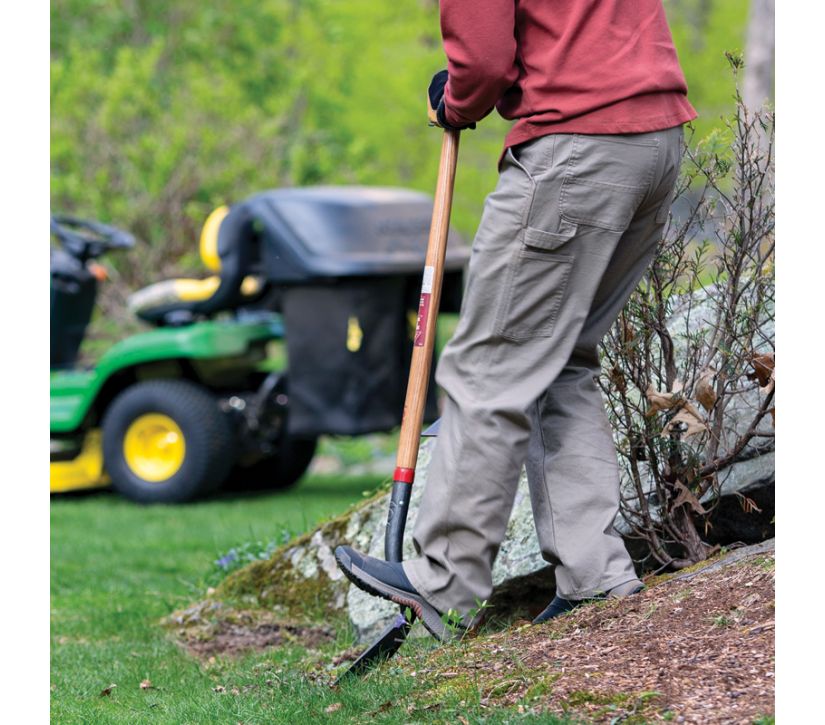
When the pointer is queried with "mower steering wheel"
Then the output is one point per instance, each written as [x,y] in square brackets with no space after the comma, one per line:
[85,239]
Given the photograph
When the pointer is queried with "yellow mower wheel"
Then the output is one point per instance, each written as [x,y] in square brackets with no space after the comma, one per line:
[166,441]
[154,447]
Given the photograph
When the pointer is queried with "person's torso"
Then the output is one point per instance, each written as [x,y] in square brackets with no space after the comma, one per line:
[584,59]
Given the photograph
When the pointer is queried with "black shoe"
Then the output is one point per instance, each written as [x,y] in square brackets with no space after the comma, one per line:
[562,606]
[388,580]
[558,606]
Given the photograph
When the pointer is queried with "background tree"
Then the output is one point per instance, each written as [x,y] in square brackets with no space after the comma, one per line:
[757,87]
[163,109]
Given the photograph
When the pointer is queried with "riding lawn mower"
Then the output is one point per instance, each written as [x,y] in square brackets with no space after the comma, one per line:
[200,401]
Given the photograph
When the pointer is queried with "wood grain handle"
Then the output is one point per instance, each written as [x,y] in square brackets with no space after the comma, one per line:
[429,301]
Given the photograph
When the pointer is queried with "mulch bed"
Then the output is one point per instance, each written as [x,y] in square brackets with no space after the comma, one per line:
[692,649]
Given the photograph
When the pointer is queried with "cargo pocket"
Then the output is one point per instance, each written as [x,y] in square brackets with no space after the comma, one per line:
[536,286]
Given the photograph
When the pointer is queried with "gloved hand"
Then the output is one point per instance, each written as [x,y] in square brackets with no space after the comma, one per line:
[435,103]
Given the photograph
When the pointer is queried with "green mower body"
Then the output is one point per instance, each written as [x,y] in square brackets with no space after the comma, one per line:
[210,352]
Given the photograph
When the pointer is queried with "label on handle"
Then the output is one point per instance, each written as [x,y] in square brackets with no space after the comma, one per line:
[424,306]
[427,282]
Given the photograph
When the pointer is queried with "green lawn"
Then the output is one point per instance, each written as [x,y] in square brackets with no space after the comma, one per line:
[118,569]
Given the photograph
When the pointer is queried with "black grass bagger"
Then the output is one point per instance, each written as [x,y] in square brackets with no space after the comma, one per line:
[345,269]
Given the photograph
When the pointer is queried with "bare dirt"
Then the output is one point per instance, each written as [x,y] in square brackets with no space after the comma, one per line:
[233,639]
[209,629]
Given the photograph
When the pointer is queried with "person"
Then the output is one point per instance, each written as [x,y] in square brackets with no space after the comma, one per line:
[584,190]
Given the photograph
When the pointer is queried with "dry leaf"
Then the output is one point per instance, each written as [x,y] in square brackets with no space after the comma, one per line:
[686,496]
[762,368]
[617,378]
[106,691]
[661,400]
[147,685]
[690,418]
[769,388]
[704,391]
[748,504]
[334,707]
[628,333]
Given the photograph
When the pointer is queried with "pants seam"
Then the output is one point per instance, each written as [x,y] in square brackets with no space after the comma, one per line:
[534,180]
[544,482]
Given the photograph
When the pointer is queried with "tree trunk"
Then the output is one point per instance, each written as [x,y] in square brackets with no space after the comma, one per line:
[759,55]
[695,549]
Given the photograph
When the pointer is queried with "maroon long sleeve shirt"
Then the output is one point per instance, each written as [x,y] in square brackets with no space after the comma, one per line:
[563,66]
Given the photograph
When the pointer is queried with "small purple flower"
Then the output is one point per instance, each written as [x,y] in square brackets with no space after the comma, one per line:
[227,559]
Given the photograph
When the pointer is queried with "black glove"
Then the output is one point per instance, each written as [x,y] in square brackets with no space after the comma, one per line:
[435,98]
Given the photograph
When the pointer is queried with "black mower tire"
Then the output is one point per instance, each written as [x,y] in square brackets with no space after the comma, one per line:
[278,472]
[208,438]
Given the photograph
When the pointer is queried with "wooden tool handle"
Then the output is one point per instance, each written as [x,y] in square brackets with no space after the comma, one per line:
[427,312]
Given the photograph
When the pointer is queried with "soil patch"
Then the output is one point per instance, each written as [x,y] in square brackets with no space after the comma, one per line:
[234,639]
[211,628]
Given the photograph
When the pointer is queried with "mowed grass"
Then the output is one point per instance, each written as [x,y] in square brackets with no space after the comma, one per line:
[118,568]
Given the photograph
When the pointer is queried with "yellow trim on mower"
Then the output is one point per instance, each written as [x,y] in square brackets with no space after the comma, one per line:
[154,447]
[84,471]
[195,290]
[209,239]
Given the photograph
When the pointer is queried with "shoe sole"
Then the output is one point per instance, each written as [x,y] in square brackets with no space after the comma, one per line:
[429,615]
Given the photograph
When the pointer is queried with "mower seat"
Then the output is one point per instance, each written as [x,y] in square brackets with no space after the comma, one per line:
[226,247]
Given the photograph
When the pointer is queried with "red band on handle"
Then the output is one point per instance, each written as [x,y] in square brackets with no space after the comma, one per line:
[404,475]
[421,322]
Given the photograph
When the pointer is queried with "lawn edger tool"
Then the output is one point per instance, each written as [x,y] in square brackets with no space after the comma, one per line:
[415,403]
[303,329]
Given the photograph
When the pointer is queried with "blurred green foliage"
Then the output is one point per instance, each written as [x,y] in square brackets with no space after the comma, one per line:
[164,109]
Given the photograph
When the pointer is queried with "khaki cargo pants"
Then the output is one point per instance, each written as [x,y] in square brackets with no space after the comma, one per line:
[563,240]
